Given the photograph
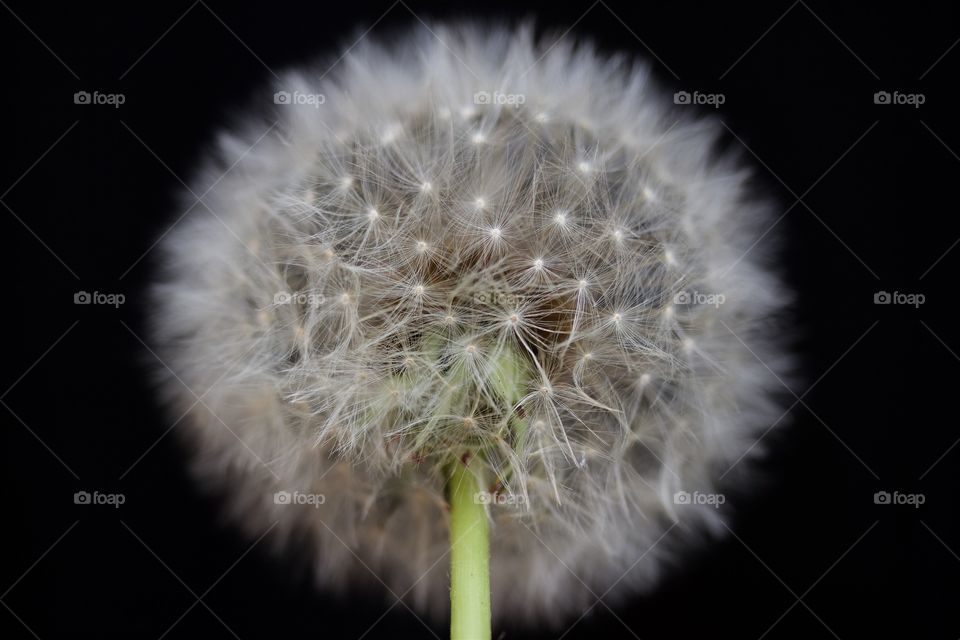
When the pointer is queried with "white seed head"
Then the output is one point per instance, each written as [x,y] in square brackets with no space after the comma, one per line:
[564,364]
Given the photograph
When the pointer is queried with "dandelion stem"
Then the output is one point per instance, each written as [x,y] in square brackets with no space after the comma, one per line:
[469,558]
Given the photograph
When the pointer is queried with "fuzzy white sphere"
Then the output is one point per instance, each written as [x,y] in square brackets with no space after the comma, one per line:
[472,246]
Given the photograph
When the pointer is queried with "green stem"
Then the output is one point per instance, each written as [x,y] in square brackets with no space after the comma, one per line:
[469,558]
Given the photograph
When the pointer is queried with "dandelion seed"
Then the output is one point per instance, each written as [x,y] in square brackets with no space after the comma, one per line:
[391,134]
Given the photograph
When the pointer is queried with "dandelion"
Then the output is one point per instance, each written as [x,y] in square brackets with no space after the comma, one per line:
[517,369]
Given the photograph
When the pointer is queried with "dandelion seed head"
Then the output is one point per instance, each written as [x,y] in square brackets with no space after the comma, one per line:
[356,350]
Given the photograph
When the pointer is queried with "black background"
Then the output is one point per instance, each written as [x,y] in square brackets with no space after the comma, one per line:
[88,189]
